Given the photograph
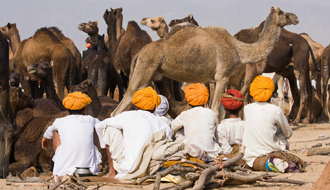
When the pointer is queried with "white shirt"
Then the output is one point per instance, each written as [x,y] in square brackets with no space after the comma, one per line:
[262,120]
[198,124]
[77,147]
[230,132]
[137,127]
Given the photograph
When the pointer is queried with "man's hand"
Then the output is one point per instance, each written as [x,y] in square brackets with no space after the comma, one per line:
[45,143]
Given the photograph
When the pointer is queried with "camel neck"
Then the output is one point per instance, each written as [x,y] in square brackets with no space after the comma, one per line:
[15,40]
[162,30]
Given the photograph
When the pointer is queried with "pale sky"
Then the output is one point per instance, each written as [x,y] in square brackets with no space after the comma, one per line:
[233,15]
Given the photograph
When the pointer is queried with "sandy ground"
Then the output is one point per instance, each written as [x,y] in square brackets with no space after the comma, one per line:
[304,137]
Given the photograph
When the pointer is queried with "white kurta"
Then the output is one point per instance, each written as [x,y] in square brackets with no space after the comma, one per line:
[198,124]
[77,147]
[230,132]
[262,120]
[137,127]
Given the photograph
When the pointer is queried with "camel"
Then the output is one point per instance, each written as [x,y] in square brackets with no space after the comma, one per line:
[43,71]
[325,72]
[201,54]
[6,115]
[19,100]
[97,66]
[127,46]
[71,46]
[189,18]
[44,45]
[11,32]
[119,25]
[290,47]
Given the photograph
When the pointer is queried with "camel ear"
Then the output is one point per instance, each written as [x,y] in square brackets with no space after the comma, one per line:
[111,9]
[272,9]
[51,63]
[190,16]
[8,25]
[161,18]
[121,9]
[277,9]
[97,23]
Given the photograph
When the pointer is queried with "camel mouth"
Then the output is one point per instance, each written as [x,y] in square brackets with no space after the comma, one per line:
[81,26]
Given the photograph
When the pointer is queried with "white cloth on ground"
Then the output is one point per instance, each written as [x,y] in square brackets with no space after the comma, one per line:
[230,132]
[137,127]
[77,147]
[198,124]
[261,122]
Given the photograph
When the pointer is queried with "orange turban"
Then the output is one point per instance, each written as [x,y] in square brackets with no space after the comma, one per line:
[76,101]
[262,88]
[146,99]
[196,94]
[232,100]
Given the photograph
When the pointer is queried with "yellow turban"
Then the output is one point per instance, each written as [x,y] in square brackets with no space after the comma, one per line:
[146,99]
[262,88]
[76,101]
[196,94]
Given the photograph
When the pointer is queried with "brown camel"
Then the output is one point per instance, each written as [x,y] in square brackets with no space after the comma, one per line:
[71,46]
[6,115]
[182,56]
[11,32]
[127,46]
[119,25]
[97,66]
[290,47]
[43,71]
[19,100]
[44,45]
[325,73]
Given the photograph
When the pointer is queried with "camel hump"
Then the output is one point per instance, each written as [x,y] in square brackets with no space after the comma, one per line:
[178,27]
[133,25]
[45,31]
[57,32]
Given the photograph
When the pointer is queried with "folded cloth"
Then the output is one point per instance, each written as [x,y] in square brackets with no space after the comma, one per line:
[280,164]
[270,167]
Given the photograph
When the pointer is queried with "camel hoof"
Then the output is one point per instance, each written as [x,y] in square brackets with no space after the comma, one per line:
[294,123]
[306,121]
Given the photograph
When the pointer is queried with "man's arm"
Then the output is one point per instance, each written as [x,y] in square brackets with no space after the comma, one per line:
[283,123]
[45,143]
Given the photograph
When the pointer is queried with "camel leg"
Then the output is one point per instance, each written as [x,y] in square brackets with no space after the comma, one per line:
[290,97]
[140,79]
[324,97]
[280,96]
[220,86]
[250,74]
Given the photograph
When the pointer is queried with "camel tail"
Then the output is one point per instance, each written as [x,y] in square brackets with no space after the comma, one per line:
[313,58]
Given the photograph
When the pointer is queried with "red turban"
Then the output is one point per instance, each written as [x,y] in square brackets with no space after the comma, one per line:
[232,100]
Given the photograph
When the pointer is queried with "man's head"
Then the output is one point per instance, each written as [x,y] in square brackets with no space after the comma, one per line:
[146,99]
[232,101]
[163,106]
[262,88]
[75,102]
[196,94]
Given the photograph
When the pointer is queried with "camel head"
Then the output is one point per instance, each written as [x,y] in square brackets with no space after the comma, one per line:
[284,19]
[189,18]
[19,100]
[9,30]
[40,70]
[118,12]
[91,28]
[109,17]
[85,87]
[14,78]
[153,23]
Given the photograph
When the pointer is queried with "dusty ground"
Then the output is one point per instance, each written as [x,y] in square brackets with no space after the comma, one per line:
[304,137]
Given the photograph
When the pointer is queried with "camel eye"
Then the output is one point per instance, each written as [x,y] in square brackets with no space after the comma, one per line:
[152,21]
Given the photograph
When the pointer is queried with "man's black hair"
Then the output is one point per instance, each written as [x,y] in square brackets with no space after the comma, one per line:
[76,112]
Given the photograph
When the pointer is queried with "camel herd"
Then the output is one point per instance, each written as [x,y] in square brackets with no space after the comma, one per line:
[126,59]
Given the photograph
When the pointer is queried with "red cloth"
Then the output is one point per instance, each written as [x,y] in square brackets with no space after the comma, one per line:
[230,103]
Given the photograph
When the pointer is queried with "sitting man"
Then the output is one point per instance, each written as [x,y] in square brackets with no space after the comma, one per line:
[266,131]
[75,146]
[126,134]
[230,130]
[161,110]
[198,122]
